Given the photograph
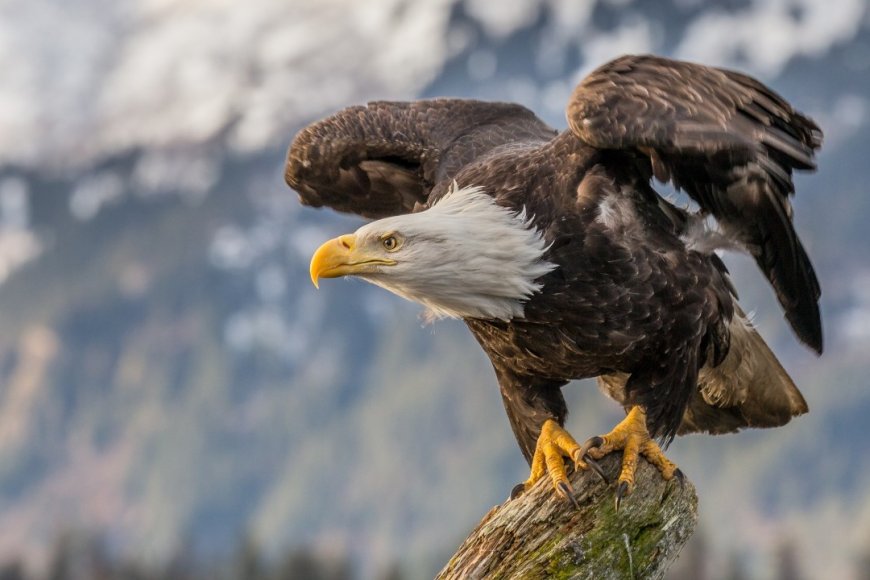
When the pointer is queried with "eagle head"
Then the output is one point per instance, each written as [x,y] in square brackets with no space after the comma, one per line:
[465,257]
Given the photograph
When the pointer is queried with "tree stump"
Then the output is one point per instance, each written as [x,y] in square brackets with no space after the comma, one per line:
[540,535]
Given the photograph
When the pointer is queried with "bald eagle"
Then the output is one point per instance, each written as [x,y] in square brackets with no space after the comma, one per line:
[565,263]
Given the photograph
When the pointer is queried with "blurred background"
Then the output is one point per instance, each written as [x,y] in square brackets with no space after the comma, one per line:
[176,399]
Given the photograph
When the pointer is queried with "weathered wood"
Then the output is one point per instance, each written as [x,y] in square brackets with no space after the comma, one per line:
[539,535]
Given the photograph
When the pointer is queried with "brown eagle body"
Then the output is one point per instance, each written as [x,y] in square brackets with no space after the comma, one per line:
[637,296]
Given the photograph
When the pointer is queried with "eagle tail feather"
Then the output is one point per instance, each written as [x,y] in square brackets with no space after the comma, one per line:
[750,388]
[772,398]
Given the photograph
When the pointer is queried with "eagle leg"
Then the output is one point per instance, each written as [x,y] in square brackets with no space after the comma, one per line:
[553,446]
[632,438]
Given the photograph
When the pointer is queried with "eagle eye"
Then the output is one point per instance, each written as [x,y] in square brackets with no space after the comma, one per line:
[390,243]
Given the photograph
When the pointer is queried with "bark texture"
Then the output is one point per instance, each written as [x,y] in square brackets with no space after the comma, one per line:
[539,535]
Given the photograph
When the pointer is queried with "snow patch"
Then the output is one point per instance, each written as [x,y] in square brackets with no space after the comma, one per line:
[767,34]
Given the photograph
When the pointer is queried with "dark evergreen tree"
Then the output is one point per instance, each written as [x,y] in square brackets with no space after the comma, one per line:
[788,566]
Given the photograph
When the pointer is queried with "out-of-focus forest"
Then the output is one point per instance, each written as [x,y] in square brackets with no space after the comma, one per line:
[177,400]
[76,556]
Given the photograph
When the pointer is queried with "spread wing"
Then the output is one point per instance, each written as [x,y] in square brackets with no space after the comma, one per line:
[384,158]
[728,141]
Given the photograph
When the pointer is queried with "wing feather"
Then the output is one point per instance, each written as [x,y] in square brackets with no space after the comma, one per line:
[384,158]
[726,139]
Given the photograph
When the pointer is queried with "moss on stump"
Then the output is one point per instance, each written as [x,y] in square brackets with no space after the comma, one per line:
[539,535]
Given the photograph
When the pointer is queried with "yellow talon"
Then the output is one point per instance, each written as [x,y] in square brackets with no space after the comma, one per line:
[554,444]
[630,436]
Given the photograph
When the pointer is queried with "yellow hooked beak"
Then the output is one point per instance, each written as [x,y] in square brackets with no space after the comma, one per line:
[341,257]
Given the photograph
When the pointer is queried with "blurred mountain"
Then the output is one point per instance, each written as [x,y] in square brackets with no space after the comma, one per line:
[168,375]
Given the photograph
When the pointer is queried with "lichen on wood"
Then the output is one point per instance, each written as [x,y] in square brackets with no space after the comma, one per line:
[540,535]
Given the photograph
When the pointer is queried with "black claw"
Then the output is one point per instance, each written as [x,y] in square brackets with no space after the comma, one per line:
[518,490]
[621,491]
[596,467]
[681,477]
[568,493]
[589,444]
